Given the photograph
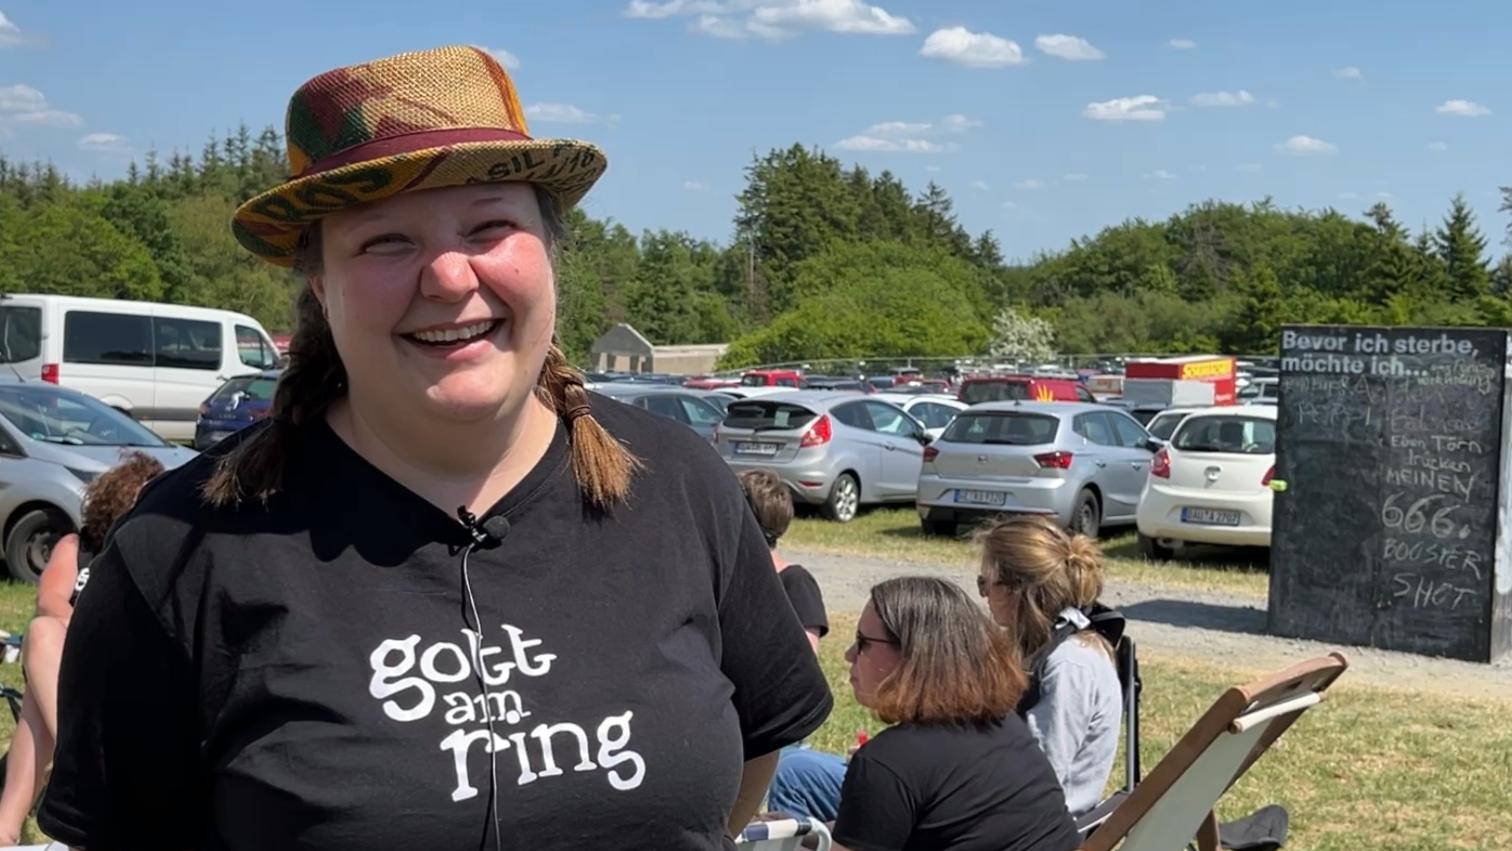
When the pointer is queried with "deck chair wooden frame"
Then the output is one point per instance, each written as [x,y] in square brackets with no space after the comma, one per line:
[1175,803]
[784,834]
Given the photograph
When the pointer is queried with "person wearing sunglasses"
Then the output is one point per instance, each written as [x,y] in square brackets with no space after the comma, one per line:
[1041,584]
[956,770]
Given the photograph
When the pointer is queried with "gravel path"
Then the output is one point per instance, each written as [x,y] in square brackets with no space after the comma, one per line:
[1174,624]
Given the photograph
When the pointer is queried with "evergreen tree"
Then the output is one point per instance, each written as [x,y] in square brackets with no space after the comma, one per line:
[1460,246]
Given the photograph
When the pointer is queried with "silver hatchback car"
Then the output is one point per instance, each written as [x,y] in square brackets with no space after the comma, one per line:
[838,450]
[1083,464]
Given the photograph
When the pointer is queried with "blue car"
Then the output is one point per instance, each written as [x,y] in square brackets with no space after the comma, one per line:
[238,403]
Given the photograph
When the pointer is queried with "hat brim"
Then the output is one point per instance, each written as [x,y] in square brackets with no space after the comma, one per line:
[269,225]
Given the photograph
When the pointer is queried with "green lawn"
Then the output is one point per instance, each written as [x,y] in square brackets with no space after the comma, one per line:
[895,533]
[1366,769]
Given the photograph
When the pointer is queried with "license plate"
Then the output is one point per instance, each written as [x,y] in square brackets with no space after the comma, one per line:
[1210,516]
[755,449]
[966,497]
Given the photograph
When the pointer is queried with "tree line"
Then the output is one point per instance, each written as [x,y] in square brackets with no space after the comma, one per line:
[824,261]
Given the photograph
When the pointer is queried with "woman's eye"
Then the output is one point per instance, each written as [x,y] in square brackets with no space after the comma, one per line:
[388,243]
[492,228]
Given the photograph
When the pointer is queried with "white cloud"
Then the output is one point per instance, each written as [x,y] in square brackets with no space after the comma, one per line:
[1030,184]
[1438,147]
[1462,108]
[776,19]
[1141,108]
[1239,98]
[10,34]
[1307,146]
[975,50]
[106,143]
[951,125]
[694,185]
[1010,205]
[1349,72]
[507,59]
[1070,47]
[895,146]
[1385,195]
[1074,177]
[1249,167]
[1182,44]
[980,185]
[562,113]
[22,104]
[1160,174]
[958,123]
[899,128]
[932,169]
[1349,196]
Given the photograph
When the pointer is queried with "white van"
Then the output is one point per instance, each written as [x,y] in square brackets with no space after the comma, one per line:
[156,362]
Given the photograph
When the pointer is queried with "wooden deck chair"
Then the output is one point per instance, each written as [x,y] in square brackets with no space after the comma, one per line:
[1175,803]
[784,834]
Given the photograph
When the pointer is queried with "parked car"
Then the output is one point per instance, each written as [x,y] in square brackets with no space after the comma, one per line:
[238,403]
[693,408]
[1083,464]
[1034,388]
[53,442]
[933,410]
[1165,423]
[836,450]
[1261,391]
[1211,483]
[157,362]
[771,378]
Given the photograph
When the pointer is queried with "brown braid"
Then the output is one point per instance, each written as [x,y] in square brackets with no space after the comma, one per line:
[601,464]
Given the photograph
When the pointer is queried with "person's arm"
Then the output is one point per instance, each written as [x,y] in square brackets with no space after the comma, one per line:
[126,767]
[813,637]
[58,578]
[755,777]
[878,810]
[1061,718]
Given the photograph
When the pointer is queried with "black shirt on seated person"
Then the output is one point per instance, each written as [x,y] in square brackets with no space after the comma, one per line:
[953,787]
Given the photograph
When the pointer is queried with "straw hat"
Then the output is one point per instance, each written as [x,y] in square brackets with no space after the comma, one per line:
[425,120]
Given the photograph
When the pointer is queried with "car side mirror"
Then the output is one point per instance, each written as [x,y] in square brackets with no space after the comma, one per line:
[1154,445]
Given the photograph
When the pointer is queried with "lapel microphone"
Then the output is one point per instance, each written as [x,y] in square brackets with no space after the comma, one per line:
[486,535]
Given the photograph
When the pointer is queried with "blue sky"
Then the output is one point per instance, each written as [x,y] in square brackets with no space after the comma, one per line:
[1045,121]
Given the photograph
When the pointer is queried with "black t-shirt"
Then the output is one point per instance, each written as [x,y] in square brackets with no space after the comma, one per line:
[953,788]
[86,556]
[300,676]
[803,592]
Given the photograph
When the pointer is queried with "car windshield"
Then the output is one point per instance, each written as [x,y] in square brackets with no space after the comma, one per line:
[57,416]
[767,416]
[753,381]
[1228,435]
[1163,426]
[994,391]
[253,388]
[1007,429]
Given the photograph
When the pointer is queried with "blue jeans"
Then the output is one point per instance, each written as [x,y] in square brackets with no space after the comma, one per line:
[807,783]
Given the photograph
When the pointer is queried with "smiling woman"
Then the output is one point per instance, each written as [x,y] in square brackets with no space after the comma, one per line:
[372,601]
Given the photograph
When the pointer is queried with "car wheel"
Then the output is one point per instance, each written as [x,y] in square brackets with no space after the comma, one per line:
[1086,519]
[945,528]
[844,499]
[1153,550]
[31,542]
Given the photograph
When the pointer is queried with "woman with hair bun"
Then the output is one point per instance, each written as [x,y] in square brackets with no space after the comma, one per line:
[1041,581]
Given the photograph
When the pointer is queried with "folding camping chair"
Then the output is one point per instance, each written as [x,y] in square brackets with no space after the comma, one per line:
[1176,802]
[784,834]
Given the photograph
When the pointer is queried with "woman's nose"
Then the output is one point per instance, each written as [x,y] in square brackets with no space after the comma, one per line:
[449,277]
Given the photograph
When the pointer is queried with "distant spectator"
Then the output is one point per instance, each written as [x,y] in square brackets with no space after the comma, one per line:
[773,505]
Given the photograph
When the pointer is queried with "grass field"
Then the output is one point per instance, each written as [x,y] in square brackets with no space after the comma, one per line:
[1364,770]
[894,533]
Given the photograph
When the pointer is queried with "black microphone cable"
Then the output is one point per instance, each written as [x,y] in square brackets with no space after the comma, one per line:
[480,538]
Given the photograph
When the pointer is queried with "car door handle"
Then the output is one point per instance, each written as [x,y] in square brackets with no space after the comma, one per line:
[889,447]
[1100,462]
[1138,465]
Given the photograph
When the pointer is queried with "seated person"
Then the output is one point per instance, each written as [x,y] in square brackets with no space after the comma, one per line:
[1040,582]
[957,770]
[773,504]
[106,499]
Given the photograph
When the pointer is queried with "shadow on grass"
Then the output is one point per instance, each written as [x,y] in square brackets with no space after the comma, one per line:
[1251,560]
[1244,620]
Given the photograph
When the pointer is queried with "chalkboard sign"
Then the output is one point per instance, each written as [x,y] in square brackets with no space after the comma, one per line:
[1392,528]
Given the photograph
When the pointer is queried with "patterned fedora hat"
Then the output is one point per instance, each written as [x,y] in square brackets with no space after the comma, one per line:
[425,120]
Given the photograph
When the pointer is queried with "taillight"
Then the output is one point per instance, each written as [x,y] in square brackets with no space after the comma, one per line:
[1269,474]
[930,453]
[1160,467]
[50,373]
[818,434]
[1054,460]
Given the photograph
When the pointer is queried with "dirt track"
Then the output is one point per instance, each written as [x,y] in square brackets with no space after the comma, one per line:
[1184,625]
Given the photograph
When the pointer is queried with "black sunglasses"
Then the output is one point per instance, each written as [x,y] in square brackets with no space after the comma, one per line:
[862,639]
[983,584]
